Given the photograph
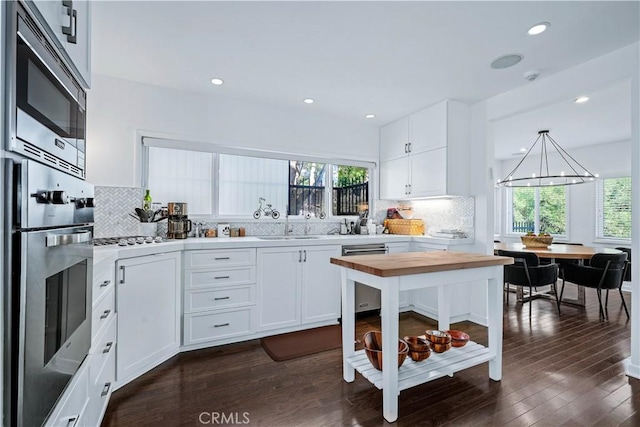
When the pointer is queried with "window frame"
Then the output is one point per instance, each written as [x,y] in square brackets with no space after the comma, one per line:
[599,213]
[508,213]
[147,141]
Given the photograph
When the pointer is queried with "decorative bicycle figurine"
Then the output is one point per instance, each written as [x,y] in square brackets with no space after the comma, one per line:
[315,211]
[268,211]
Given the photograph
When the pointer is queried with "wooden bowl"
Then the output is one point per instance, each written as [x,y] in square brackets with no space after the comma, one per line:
[419,348]
[458,338]
[536,241]
[438,337]
[440,348]
[373,348]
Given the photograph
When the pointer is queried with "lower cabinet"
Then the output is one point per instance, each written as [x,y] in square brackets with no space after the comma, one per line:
[148,306]
[73,407]
[405,296]
[296,286]
[219,296]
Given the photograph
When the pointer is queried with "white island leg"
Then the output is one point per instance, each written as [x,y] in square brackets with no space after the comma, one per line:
[444,308]
[389,311]
[348,325]
[494,314]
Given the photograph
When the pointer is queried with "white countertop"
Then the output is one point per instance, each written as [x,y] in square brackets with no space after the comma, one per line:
[111,253]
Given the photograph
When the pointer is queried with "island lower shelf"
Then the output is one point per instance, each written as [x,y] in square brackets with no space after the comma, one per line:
[438,365]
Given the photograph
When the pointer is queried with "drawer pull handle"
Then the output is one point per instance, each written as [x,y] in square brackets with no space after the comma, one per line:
[220,298]
[106,388]
[105,314]
[105,283]
[221,277]
[73,420]
[221,325]
[107,347]
[221,258]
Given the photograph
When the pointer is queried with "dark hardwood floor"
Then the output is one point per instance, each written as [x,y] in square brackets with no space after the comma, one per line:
[557,371]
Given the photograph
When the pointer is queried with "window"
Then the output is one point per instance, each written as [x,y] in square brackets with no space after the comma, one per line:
[613,205]
[181,176]
[540,210]
[220,184]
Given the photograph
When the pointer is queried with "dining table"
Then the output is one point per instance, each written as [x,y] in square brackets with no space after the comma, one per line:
[558,251]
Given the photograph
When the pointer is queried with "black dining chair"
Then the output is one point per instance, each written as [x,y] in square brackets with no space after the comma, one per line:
[527,271]
[604,272]
[627,274]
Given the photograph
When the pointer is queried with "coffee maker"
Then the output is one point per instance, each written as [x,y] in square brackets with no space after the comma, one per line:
[178,225]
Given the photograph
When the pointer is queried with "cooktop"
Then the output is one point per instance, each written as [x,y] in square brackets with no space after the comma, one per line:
[126,240]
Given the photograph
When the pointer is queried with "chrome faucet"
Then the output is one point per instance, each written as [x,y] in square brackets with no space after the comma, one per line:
[287,230]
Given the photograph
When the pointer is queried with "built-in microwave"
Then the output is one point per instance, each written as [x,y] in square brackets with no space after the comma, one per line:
[50,104]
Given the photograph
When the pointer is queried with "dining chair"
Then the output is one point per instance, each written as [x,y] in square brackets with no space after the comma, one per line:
[627,274]
[604,272]
[527,271]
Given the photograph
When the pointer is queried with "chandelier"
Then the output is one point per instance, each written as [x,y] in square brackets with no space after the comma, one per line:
[571,172]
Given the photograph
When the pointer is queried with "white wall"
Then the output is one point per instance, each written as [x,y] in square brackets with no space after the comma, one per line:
[608,160]
[119,110]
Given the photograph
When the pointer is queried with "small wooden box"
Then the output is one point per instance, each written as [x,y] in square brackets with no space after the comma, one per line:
[406,226]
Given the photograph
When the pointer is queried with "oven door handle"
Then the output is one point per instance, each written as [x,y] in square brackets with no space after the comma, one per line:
[68,239]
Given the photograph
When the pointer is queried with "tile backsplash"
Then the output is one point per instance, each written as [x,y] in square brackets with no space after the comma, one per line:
[114,204]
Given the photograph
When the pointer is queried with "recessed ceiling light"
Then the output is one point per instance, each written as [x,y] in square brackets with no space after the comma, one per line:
[523,150]
[506,61]
[369,116]
[538,28]
[216,81]
[308,100]
[581,99]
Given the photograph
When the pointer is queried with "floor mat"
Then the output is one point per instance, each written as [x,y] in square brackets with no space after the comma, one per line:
[301,343]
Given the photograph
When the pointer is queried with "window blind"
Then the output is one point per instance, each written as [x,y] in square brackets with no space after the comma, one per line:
[613,208]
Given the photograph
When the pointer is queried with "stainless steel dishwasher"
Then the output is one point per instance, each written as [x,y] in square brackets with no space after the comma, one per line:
[367,298]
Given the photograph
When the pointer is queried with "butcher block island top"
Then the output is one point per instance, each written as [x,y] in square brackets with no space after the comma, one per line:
[402,264]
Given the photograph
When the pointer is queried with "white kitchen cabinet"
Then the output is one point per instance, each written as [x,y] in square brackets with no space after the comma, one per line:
[425,300]
[297,285]
[219,296]
[406,297]
[148,306]
[435,160]
[74,19]
[72,408]
[394,139]
[320,284]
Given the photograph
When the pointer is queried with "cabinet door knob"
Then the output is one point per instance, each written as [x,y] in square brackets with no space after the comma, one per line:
[105,389]
[105,283]
[105,314]
[220,277]
[220,298]
[107,347]
[221,258]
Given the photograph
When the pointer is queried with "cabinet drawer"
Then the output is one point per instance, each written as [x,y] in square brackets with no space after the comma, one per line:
[223,277]
[211,326]
[101,391]
[219,298]
[101,350]
[74,402]
[103,280]
[220,258]
[102,314]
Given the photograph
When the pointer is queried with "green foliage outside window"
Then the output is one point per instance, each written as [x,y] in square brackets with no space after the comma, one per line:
[551,210]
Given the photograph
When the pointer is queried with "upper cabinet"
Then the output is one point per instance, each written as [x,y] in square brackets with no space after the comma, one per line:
[426,153]
[69,25]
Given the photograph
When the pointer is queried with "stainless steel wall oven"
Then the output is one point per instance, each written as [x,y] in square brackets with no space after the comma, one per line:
[50,295]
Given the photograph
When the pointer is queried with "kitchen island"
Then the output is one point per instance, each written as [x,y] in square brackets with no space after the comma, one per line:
[393,273]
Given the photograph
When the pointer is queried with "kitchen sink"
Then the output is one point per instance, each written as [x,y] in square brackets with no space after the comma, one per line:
[287,237]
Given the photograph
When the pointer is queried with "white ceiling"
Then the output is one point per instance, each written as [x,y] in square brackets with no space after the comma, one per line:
[387,58]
